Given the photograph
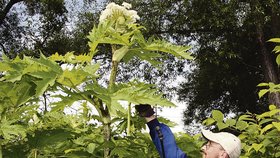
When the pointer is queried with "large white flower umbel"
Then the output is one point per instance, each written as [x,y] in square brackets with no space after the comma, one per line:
[118,13]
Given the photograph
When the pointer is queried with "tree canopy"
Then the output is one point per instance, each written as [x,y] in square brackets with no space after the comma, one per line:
[228,38]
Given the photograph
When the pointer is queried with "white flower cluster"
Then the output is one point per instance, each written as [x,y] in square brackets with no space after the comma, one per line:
[114,12]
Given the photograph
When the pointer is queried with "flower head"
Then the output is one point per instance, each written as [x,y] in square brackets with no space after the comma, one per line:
[115,12]
[126,5]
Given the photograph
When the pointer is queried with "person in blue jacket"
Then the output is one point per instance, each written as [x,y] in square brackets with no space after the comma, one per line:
[219,145]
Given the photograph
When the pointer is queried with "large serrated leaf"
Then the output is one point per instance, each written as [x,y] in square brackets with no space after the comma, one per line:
[140,94]
[72,78]
[166,47]
[10,131]
[65,101]
[43,84]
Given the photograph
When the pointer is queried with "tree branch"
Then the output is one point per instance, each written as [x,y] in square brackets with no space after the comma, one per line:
[5,11]
[187,31]
[3,48]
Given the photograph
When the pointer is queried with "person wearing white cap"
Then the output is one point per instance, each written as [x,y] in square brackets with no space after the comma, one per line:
[219,145]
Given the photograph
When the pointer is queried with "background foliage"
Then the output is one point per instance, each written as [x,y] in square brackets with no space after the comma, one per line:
[230,45]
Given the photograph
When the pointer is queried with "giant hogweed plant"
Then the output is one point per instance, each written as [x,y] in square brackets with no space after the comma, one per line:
[34,94]
[259,133]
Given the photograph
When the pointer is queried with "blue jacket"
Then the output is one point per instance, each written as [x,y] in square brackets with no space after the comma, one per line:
[170,147]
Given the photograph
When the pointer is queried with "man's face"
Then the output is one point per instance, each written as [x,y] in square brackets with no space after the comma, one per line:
[213,150]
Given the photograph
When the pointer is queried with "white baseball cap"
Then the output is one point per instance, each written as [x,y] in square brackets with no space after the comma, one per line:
[228,141]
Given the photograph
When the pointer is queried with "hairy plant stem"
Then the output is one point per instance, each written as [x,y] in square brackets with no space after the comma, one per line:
[1,151]
[128,119]
[35,153]
[107,135]
[114,69]
[105,112]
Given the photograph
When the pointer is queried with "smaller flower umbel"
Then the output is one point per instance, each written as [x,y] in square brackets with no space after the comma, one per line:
[120,15]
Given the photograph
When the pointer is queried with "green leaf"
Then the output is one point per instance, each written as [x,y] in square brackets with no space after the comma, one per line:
[163,46]
[114,107]
[91,147]
[72,78]
[208,121]
[262,84]
[230,122]
[241,125]
[264,121]
[151,57]
[242,136]
[13,76]
[91,69]
[262,92]
[272,107]
[266,142]
[221,125]
[97,33]
[263,115]
[218,115]
[51,65]
[139,93]
[21,93]
[120,53]
[12,131]
[83,58]
[49,137]
[266,128]
[277,125]
[273,133]
[43,84]
[65,101]
[276,40]
[276,49]
[73,150]
[278,58]
[4,67]
[256,146]
[274,112]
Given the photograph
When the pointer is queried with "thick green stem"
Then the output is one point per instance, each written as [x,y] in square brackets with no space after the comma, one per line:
[105,112]
[1,151]
[113,73]
[128,119]
[35,154]
[107,137]
[114,69]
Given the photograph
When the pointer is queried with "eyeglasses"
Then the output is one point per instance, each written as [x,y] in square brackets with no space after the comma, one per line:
[209,144]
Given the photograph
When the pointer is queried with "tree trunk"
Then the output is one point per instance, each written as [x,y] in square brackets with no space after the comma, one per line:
[268,65]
